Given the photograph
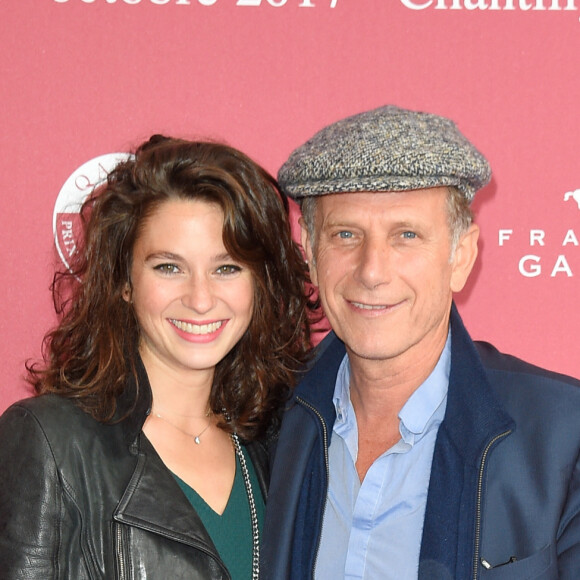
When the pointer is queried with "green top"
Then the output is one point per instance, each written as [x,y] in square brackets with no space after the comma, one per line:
[231,532]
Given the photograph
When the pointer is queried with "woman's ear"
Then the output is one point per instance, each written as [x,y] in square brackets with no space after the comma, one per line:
[127,293]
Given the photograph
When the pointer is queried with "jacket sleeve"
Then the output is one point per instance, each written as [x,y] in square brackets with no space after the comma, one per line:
[30,499]
[568,545]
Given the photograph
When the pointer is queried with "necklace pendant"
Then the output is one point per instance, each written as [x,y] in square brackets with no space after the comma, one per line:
[197,441]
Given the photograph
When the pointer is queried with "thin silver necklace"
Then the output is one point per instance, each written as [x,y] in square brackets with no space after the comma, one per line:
[196,438]
[252,504]
[247,485]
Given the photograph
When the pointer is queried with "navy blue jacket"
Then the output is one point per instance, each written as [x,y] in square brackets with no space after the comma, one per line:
[505,480]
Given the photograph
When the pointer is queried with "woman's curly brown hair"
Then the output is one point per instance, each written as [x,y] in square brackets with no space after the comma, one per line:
[91,355]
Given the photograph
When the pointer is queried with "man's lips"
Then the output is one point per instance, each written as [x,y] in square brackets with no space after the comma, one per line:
[373,308]
[368,306]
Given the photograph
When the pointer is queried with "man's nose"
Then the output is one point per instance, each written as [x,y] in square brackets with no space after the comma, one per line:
[374,267]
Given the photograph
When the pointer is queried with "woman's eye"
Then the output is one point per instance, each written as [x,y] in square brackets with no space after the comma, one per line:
[167,268]
[228,269]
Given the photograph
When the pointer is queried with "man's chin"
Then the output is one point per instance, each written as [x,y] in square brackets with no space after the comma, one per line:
[371,352]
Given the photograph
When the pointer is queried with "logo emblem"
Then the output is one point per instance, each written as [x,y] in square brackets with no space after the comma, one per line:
[66,223]
[575,195]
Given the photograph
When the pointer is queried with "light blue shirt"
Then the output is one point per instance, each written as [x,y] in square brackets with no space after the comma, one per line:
[373,530]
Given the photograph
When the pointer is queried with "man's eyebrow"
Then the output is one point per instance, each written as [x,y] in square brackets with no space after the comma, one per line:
[342,220]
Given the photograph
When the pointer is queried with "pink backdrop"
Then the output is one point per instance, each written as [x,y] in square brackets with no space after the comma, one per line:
[84,78]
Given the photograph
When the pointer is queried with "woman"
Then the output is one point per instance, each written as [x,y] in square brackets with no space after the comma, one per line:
[182,324]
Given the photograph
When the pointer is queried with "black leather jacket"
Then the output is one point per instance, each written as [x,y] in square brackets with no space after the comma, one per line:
[80,499]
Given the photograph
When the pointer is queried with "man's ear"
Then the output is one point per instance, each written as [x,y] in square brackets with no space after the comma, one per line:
[307,246]
[464,258]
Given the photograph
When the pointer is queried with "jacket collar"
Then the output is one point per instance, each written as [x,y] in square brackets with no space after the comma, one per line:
[474,422]
[474,413]
[317,386]
[134,404]
[140,505]
[473,410]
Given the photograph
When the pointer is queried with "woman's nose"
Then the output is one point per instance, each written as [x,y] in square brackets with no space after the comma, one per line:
[198,295]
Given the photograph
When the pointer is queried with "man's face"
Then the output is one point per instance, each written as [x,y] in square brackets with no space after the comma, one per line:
[383,266]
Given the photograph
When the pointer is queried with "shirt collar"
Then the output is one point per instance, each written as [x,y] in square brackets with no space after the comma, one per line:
[425,408]
[423,411]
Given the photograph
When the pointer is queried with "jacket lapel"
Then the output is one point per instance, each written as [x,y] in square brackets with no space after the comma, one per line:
[153,501]
[473,418]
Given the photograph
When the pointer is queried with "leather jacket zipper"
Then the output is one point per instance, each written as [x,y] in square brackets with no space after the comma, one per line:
[477,543]
[122,564]
[120,560]
[325,446]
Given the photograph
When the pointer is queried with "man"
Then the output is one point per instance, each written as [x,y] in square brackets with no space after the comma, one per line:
[409,450]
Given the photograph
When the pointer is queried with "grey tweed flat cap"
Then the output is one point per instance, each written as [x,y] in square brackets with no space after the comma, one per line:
[387,149]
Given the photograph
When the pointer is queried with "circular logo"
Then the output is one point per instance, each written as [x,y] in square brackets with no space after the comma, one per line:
[66,225]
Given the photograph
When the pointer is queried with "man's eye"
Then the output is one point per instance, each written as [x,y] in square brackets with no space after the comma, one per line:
[228,269]
[409,235]
[345,235]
